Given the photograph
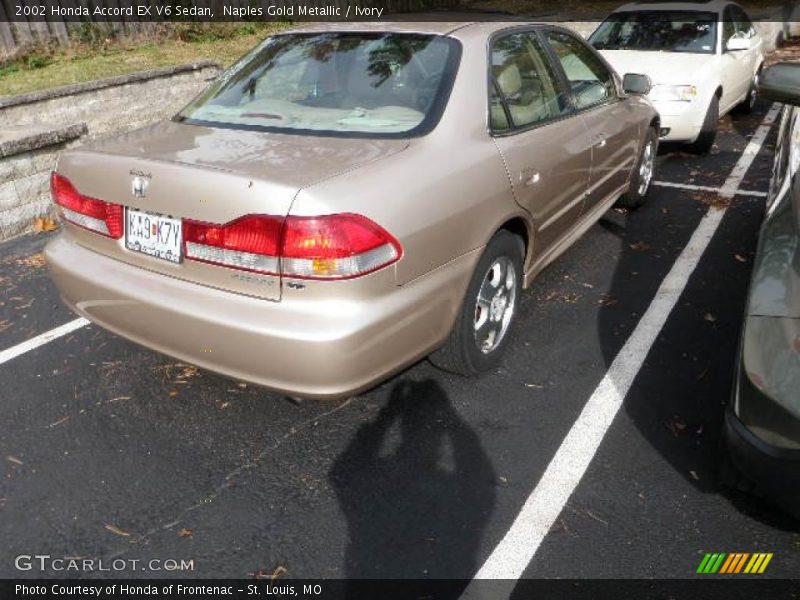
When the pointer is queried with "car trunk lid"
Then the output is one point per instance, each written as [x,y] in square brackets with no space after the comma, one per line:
[209,175]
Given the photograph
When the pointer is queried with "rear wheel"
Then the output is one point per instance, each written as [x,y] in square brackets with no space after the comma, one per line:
[481,332]
[708,132]
[642,175]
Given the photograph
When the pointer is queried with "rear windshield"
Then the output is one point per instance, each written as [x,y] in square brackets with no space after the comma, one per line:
[334,83]
[658,30]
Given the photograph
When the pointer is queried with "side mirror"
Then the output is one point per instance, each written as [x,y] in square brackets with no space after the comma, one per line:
[638,85]
[737,43]
[781,83]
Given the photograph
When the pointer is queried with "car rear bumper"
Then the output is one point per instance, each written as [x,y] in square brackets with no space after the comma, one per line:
[775,471]
[301,345]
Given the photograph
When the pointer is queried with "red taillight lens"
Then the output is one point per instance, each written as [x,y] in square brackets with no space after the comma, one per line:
[96,215]
[335,247]
[248,243]
[326,247]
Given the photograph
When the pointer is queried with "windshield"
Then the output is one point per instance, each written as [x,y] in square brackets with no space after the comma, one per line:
[659,30]
[347,83]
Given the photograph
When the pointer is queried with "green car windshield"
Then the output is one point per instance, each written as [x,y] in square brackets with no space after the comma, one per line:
[333,83]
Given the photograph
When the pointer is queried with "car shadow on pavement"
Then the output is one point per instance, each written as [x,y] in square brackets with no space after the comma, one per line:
[677,400]
[416,488]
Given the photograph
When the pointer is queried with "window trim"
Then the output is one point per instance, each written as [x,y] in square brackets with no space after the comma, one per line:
[560,81]
[614,98]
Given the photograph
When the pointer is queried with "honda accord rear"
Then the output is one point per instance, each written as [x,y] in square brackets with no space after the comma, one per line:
[335,207]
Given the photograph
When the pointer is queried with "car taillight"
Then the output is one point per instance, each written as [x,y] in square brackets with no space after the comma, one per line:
[335,247]
[96,215]
[249,243]
[325,247]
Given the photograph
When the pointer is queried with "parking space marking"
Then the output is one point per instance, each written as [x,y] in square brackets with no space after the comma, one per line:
[750,152]
[41,340]
[514,552]
[706,188]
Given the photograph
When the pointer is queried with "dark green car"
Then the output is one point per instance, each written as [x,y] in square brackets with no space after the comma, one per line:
[763,420]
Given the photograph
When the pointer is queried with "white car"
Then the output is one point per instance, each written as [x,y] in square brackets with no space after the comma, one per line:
[703,59]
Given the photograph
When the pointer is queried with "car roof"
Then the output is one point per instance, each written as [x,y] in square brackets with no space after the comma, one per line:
[705,6]
[461,29]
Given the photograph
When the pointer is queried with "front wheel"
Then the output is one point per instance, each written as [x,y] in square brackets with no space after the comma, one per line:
[481,331]
[708,132]
[642,175]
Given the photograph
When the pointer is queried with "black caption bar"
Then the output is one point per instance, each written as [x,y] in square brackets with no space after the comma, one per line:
[442,589]
[132,11]
[215,10]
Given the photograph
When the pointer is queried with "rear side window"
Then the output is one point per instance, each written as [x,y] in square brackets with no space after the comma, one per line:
[744,26]
[524,89]
[591,82]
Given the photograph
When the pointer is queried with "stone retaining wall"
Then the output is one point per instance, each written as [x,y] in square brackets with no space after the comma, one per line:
[35,127]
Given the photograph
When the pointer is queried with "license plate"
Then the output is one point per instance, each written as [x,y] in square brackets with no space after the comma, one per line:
[153,234]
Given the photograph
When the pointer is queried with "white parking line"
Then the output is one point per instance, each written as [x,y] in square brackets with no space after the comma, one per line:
[512,555]
[41,340]
[749,155]
[706,188]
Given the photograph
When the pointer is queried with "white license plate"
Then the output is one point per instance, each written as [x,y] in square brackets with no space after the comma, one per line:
[153,234]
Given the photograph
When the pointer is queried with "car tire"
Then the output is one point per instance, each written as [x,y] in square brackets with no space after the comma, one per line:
[490,305]
[708,132]
[747,106]
[642,175]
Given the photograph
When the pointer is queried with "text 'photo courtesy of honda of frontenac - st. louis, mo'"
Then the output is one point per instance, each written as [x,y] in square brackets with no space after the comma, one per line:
[346,200]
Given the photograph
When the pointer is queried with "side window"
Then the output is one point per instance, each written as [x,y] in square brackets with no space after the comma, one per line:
[744,26]
[524,89]
[591,82]
[728,27]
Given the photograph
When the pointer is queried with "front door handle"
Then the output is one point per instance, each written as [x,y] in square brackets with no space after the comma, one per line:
[529,177]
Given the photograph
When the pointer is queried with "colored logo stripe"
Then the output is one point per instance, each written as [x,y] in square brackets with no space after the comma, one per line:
[734,563]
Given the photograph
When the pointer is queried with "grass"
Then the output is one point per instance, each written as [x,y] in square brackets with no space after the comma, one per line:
[45,69]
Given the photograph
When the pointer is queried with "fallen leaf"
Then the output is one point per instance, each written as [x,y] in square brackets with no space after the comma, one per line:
[14,459]
[34,260]
[184,533]
[116,530]
[173,393]
[740,258]
[59,422]
[694,475]
[278,572]
[42,224]
[639,247]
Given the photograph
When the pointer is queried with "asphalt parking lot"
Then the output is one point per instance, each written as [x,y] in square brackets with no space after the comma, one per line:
[109,450]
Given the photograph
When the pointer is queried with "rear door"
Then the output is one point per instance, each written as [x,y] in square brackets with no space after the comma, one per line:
[746,29]
[546,147]
[612,125]
[737,65]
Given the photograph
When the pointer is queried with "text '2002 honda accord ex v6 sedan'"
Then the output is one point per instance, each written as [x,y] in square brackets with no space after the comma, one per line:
[341,203]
